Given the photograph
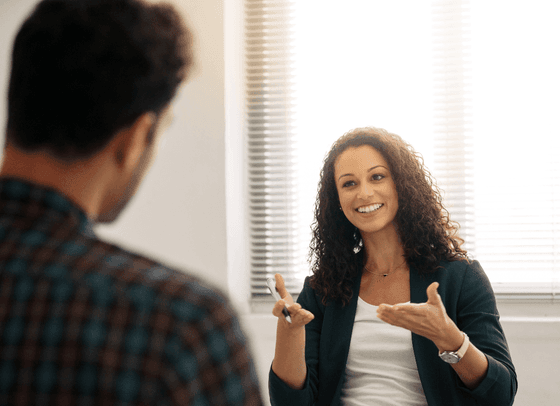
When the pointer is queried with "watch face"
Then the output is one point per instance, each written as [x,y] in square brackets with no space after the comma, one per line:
[449,358]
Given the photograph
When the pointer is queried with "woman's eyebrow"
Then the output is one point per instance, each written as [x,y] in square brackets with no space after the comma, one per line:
[369,170]
[377,166]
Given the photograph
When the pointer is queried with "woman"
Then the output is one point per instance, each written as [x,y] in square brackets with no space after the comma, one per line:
[394,313]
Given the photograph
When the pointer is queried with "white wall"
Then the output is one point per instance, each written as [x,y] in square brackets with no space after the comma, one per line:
[180,214]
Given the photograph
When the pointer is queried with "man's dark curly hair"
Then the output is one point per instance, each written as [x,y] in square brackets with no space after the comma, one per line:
[84,69]
[425,230]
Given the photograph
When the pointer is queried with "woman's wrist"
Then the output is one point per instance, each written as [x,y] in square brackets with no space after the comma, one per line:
[451,340]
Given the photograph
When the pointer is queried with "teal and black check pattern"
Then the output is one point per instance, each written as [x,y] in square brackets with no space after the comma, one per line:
[86,322]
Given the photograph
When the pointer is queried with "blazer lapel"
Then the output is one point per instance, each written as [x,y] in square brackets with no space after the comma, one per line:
[418,285]
[423,348]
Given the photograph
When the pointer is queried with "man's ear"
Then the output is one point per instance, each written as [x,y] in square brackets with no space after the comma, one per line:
[132,141]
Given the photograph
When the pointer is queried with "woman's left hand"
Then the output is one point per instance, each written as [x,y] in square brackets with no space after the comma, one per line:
[428,319]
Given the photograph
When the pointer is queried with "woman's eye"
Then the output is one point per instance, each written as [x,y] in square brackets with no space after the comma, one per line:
[349,183]
[377,176]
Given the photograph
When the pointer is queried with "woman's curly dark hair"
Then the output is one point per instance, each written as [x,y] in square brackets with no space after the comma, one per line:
[425,230]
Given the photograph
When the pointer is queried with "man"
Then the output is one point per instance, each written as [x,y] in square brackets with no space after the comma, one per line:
[83,322]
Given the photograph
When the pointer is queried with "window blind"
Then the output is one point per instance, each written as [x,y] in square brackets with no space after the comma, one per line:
[453,152]
[488,86]
[272,195]
[517,143]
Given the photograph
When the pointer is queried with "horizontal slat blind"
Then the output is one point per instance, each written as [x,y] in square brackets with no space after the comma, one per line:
[517,144]
[496,145]
[272,193]
[453,152]
[518,226]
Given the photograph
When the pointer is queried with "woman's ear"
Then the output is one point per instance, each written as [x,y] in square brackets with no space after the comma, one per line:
[133,140]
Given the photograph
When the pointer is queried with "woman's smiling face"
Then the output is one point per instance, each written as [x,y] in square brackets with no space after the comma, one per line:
[366,191]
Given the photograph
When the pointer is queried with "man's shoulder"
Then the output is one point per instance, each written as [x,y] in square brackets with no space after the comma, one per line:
[45,236]
[142,282]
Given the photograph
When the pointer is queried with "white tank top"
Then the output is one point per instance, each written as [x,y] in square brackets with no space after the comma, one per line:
[381,369]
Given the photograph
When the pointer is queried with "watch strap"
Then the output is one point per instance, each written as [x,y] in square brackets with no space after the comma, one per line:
[460,353]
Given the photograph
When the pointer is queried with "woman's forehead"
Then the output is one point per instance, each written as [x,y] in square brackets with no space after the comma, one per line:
[355,158]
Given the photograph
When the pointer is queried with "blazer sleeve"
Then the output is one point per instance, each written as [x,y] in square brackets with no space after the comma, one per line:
[280,393]
[477,316]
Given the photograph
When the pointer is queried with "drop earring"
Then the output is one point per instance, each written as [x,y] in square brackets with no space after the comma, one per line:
[358,243]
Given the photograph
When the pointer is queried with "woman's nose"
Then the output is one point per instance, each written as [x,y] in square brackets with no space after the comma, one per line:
[365,191]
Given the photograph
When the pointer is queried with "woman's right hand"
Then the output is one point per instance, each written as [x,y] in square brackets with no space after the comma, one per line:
[289,356]
[300,317]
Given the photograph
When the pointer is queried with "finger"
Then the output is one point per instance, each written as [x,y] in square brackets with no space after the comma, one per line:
[277,309]
[390,319]
[402,315]
[402,309]
[299,317]
[433,295]
[387,313]
[280,286]
[293,309]
[302,317]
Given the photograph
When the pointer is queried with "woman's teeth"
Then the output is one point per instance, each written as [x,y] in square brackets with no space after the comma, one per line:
[369,209]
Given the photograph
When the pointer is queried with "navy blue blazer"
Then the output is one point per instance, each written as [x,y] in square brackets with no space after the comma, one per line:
[469,301]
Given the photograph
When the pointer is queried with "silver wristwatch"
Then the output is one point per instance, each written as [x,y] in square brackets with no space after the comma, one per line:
[452,357]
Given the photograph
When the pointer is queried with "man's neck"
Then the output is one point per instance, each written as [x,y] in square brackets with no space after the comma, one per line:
[80,181]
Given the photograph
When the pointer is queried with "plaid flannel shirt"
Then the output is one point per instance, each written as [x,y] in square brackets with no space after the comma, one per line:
[86,322]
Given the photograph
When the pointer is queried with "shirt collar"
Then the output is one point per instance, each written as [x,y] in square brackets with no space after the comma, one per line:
[26,194]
